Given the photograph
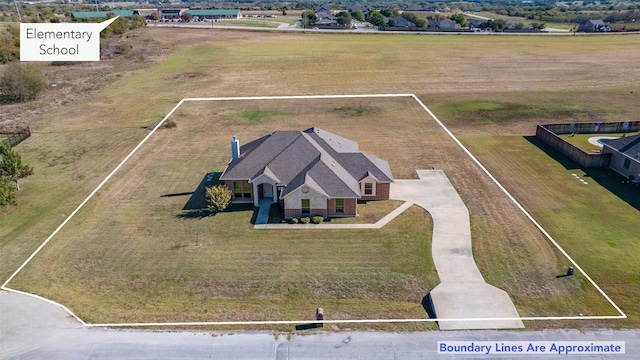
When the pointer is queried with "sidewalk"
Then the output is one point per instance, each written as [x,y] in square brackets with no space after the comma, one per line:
[379,224]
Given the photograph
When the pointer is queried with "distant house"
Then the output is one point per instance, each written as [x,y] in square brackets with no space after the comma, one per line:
[625,156]
[594,26]
[323,11]
[403,23]
[475,23]
[311,173]
[416,7]
[325,18]
[445,24]
[358,7]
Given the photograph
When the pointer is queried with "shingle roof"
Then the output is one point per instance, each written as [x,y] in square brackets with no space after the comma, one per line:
[628,145]
[402,22]
[331,164]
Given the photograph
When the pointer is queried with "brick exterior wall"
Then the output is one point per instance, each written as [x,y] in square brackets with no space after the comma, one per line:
[331,207]
[318,212]
[291,213]
[350,207]
[382,192]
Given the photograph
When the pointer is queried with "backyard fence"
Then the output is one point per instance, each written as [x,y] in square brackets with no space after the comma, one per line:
[593,127]
[14,135]
[548,134]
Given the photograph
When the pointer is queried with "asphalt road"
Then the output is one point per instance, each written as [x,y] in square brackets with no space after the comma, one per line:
[32,329]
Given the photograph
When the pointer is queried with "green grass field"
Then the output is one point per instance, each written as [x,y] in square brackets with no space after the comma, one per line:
[130,256]
[251,22]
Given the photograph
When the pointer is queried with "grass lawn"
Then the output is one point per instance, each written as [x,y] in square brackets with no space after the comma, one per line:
[250,22]
[135,255]
[582,140]
[144,239]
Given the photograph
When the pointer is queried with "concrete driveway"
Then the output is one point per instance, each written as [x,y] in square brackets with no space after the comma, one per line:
[462,293]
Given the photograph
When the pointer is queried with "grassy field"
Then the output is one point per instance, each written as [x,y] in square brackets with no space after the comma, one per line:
[491,99]
[251,22]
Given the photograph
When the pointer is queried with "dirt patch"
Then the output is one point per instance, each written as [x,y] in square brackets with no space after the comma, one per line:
[189,75]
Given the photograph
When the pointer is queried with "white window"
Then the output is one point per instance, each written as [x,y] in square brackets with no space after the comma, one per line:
[368,188]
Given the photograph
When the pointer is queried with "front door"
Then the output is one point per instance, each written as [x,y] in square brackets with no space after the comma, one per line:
[267,190]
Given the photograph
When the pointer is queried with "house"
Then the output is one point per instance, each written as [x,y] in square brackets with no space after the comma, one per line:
[358,7]
[310,173]
[446,24]
[475,23]
[594,26]
[403,23]
[325,18]
[416,7]
[625,156]
[323,11]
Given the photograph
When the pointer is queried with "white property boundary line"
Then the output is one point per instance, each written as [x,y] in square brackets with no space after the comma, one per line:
[274,322]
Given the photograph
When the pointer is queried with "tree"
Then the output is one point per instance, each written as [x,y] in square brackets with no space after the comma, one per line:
[375,18]
[499,24]
[11,165]
[120,26]
[9,43]
[343,18]
[21,83]
[218,197]
[186,17]
[137,21]
[154,16]
[308,18]
[389,13]
[460,19]
[391,23]
[417,20]
[7,192]
[358,15]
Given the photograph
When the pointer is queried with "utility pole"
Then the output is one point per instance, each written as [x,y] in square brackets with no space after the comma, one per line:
[18,10]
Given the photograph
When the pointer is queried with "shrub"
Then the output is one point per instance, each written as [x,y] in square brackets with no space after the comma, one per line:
[294,220]
[317,219]
[169,124]
[7,192]
[21,83]
[9,43]
[218,197]
[123,48]
[305,220]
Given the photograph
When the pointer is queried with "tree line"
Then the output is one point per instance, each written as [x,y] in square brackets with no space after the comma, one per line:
[12,169]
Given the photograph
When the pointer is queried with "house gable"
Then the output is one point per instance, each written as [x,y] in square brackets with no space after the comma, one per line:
[625,156]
